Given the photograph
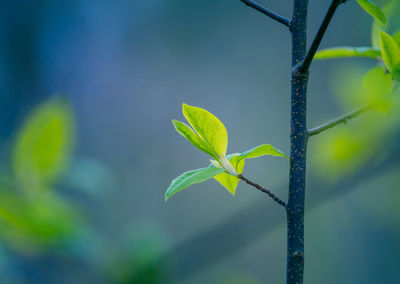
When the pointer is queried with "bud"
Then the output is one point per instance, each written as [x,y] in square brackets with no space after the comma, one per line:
[228,166]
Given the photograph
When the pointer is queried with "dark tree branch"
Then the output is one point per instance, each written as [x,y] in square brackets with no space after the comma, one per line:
[337,121]
[305,65]
[262,189]
[267,12]
[223,240]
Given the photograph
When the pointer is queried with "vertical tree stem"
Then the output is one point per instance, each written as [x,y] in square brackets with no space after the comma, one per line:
[298,146]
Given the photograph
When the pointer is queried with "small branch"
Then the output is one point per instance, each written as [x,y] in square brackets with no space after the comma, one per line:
[267,12]
[305,65]
[337,121]
[260,188]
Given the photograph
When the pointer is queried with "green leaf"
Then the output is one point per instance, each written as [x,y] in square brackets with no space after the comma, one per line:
[339,52]
[238,161]
[193,138]
[371,8]
[388,10]
[262,150]
[208,127]
[396,37]
[378,82]
[187,179]
[390,53]
[44,144]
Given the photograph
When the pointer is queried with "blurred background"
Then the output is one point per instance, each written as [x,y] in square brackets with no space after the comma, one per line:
[88,91]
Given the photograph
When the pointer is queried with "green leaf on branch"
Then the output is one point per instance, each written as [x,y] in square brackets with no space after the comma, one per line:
[187,179]
[342,52]
[210,136]
[238,161]
[208,127]
[262,150]
[390,54]
[44,144]
[371,8]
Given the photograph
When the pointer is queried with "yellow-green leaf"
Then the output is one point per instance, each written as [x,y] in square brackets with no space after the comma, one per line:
[187,179]
[396,37]
[193,138]
[342,52]
[390,53]
[208,127]
[262,150]
[388,10]
[44,144]
[228,181]
[238,161]
[377,82]
[371,8]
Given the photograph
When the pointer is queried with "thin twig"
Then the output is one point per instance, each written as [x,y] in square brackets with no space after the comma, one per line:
[267,12]
[262,189]
[305,65]
[339,120]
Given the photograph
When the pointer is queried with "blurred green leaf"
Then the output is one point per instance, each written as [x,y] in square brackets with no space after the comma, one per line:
[376,85]
[339,52]
[44,144]
[193,138]
[371,8]
[390,54]
[142,259]
[29,224]
[187,179]
[208,127]
[388,10]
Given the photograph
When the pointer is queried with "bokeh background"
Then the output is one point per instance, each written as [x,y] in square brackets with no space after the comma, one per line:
[123,69]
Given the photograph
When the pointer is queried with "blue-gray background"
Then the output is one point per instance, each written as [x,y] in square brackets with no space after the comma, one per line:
[127,66]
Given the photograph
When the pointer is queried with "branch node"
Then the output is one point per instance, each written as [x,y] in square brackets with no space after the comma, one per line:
[305,65]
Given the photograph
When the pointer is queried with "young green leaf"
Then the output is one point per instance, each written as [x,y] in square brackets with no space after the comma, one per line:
[193,138]
[191,177]
[388,10]
[262,150]
[390,54]
[208,127]
[44,144]
[238,161]
[228,181]
[396,37]
[341,52]
[371,8]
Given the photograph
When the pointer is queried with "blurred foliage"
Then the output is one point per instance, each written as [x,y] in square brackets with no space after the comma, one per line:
[32,215]
[343,150]
[141,260]
[44,144]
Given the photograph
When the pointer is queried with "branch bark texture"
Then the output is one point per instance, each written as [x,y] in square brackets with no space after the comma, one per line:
[298,146]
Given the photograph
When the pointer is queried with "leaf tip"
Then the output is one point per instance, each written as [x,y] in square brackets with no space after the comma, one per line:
[166,197]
